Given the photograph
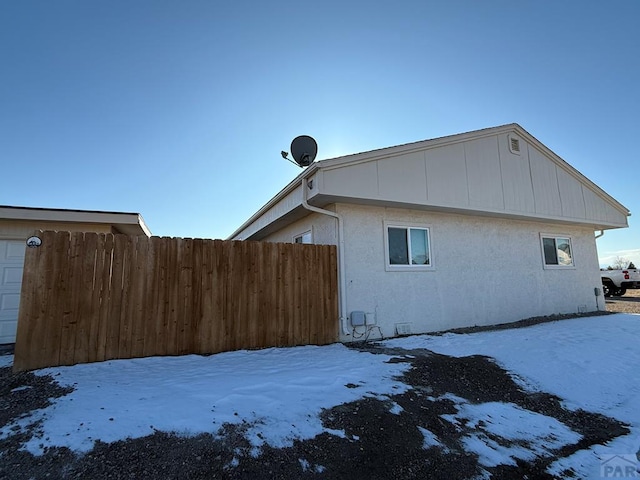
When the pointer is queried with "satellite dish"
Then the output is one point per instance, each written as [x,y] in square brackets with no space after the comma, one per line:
[304,150]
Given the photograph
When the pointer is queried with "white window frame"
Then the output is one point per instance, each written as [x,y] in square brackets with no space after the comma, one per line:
[555,237]
[408,268]
[302,235]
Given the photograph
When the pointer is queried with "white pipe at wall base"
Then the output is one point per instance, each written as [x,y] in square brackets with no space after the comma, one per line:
[342,291]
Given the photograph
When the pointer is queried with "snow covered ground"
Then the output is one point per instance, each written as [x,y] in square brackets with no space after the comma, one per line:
[280,392]
[592,363]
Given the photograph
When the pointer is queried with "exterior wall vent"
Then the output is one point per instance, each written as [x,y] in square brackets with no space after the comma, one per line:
[403,328]
[514,144]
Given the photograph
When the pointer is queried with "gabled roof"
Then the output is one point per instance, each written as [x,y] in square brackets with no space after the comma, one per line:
[127,223]
[478,172]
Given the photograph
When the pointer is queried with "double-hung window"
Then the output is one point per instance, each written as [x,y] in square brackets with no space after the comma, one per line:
[408,247]
[557,251]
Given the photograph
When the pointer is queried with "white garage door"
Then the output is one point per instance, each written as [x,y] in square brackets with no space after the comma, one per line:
[11,262]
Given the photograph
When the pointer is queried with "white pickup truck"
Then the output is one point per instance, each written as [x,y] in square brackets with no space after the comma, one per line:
[616,282]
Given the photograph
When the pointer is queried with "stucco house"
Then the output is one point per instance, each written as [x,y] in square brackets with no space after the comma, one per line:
[17,223]
[480,228]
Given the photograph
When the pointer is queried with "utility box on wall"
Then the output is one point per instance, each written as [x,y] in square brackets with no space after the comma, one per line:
[358,318]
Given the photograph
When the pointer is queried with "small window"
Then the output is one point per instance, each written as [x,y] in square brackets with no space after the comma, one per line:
[408,247]
[557,251]
[303,238]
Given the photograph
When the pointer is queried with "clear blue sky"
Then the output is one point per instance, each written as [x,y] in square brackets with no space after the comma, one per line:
[179,109]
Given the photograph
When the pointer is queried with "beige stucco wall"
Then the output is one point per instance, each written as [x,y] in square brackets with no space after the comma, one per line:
[486,271]
[22,229]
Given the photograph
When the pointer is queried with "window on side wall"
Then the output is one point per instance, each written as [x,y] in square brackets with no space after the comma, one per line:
[303,238]
[557,251]
[408,247]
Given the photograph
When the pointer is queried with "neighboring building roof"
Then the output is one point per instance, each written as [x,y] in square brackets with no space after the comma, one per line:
[501,171]
[126,223]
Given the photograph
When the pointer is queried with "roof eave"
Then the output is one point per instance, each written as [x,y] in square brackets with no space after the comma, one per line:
[292,185]
[130,223]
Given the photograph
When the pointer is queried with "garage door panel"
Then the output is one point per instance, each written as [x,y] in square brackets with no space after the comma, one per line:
[14,252]
[12,276]
[9,304]
[8,331]
[11,266]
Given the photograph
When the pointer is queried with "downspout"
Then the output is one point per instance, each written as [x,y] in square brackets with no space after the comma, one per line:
[600,234]
[342,291]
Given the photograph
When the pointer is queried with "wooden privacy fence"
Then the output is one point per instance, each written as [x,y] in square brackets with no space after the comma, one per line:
[90,297]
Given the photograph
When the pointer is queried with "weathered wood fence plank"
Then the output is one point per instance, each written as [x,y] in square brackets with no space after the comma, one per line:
[91,297]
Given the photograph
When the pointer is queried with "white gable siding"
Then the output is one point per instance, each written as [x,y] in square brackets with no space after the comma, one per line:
[359,181]
[598,209]
[447,176]
[516,178]
[483,174]
[573,205]
[545,184]
[477,175]
[403,179]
